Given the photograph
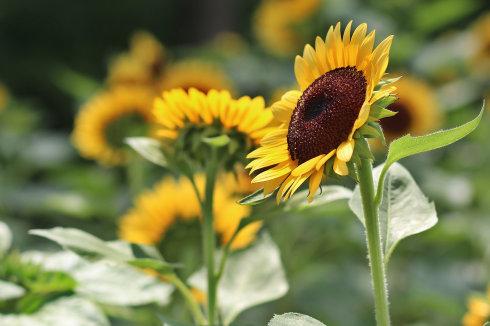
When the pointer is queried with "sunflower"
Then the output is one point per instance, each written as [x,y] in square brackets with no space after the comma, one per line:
[481,34]
[417,109]
[478,311]
[189,73]
[338,81]
[142,65]
[275,23]
[97,126]
[184,118]
[173,200]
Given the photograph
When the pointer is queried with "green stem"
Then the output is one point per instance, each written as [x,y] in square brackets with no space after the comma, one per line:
[192,304]
[208,237]
[375,252]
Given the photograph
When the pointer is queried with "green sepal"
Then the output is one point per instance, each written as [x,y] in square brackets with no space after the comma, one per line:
[217,141]
[362,149]
[385,82]
[379,108]
[255,198]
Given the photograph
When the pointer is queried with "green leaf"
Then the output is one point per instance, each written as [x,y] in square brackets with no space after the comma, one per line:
[64,311]
[148,148]
[255,198]
[409,145]
[218,141]
[157,265]
[378,109]
[404,210]
[10,291]
[294,319]
[251,277]
[5,238]
[83,243]
[327,195]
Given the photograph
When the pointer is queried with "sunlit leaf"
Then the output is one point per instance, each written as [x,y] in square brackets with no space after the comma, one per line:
[83,243]
[327,195]
[149,148]
[404,209]
[104,281]
[5,238]
[73,311]
[251,277]
[10,291]
[294,319]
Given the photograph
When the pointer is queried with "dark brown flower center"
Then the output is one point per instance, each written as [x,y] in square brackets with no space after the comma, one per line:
[399,124]
[325,113]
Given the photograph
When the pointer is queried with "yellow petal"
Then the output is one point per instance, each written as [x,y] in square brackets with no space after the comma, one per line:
[315,181]
[345,150]
[340,167]
[324,159]
[306,166]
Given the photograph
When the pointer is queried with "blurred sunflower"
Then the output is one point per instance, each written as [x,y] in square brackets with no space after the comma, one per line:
[185,118]
[481,33]
[417,109]
[337,81]
[142,65]
[276,23]
[4,96]
[478,311]
[195,73]
[102,124]
[173,200]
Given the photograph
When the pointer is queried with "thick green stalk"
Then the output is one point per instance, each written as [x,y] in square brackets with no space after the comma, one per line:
[208,237]
[375,253]
[193,306]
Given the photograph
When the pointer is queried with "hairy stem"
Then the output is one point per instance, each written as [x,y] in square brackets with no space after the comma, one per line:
[375,253]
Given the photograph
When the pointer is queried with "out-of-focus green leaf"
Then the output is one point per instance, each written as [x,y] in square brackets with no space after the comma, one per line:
[157,265]
[294,319]
[251,277]
[327,195]
[73,310]
[10,291]
[149,148]
[5,238]
[404,210]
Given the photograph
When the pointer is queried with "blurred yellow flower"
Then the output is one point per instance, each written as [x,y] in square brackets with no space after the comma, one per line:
[100,116]
[276,23]
[337,81]
[177,109]
[195,73]
[478,311]
[481,33]
[4,96]
[417,107]
[173,200]
[142,65]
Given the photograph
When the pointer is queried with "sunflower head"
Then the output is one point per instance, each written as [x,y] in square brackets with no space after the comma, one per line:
[190,121]
[171,201]
[199,74]
[141,65]
[317,127]
[107,119]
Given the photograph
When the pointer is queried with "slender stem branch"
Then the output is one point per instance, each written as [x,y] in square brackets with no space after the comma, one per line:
[192,304]
[208,237]
[375,252]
